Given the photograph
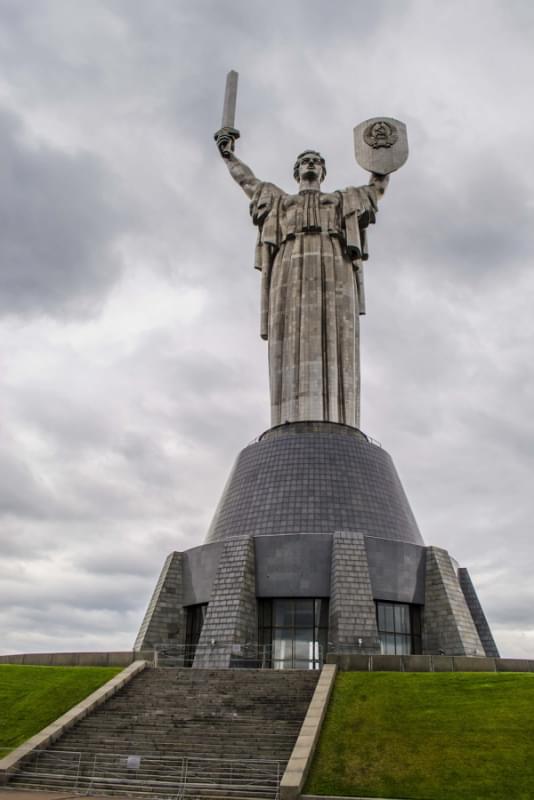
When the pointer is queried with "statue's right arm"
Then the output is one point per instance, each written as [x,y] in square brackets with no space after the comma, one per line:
[239,171]
[241,174]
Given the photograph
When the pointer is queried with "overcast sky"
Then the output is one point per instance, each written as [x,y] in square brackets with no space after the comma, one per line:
[132,370]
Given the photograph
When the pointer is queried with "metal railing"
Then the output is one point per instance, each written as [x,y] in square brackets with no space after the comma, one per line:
[179,778]
[245,656]
[364,645]
[225,654]
[371,440]
[48,764]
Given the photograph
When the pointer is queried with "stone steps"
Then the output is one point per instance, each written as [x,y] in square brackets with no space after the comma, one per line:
[232,731]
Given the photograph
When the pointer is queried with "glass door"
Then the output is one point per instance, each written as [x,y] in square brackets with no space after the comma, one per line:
[295,630]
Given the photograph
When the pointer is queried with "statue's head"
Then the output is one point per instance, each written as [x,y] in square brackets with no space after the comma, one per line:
[309,164]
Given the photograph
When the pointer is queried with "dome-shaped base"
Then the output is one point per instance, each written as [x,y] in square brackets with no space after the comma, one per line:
[314,477]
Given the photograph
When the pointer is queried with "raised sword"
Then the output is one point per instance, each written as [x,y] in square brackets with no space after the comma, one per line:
[228,130]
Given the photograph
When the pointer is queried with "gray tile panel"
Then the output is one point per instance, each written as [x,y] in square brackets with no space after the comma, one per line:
[314,478]
[231,617]
[479,618]
[199,571]
[397,570]
[352,623]
[164,617]
[448,627]
[294,565]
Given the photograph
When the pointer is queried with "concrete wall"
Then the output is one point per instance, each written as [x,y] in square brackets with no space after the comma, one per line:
[295,565]
[199,568]
[97,659]
[299,565]
[353,662]
[397,570]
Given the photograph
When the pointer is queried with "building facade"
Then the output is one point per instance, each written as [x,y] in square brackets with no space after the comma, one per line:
[313,549]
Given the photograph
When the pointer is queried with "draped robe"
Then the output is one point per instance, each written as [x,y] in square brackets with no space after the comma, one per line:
[310,251]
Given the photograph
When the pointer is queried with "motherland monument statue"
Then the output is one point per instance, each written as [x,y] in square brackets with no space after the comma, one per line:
[313,551]
[310,250]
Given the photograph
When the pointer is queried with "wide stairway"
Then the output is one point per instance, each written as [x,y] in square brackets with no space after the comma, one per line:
[181,733]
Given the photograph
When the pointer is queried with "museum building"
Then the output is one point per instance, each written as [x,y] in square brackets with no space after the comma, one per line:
[313,550]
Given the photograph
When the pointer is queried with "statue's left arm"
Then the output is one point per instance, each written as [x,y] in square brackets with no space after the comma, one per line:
[378,183]
[359,207]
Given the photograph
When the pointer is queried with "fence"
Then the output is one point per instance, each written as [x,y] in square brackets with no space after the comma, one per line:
[283,655]
[179,778]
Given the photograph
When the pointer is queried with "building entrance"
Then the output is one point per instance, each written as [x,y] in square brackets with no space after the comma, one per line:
[293,632]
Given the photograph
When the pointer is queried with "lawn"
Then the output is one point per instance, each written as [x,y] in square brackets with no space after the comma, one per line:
[32,697]
[428,736]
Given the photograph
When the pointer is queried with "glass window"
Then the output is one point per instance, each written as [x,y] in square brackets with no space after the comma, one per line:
[402,618]
[265,614]
[390,618]
[303,644]
[403,645]
[304,610]
[399,627]
[194,620]
[283,644]
[284,612]
[416,621]
[321,613]
[294,631]
[381,613]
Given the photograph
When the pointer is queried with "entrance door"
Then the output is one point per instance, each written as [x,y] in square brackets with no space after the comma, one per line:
[295,630]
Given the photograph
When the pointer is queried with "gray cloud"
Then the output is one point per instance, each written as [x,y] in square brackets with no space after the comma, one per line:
[121,419]
[59,217]
[471,229]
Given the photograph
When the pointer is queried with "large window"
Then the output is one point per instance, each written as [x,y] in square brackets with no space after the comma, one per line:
[399,628]
[292,633]
[194,620]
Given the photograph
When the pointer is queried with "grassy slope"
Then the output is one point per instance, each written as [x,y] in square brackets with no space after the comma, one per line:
[449,736]
[32,697]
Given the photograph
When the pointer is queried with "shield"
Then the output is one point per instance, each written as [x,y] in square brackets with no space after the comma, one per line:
[381,144]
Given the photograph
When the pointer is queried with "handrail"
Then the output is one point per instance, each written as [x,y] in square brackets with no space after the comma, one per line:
[248,654]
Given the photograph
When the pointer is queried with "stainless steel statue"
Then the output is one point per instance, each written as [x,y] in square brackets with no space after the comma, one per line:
[310,250]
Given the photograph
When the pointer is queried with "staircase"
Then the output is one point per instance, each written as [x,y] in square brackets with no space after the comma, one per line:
[182,733]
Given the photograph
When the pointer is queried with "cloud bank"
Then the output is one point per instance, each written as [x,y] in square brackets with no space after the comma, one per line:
[132,370]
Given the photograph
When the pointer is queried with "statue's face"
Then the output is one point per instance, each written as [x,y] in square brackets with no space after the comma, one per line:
[310,167]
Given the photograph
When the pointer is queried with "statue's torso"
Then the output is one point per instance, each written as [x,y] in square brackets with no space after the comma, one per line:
[309,212]
[310,248]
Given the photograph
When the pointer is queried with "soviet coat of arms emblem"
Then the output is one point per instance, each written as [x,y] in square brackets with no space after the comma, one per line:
[380,134]
[381,145]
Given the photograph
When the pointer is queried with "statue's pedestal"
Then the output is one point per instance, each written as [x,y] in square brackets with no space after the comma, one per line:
[313,548]
[314,477]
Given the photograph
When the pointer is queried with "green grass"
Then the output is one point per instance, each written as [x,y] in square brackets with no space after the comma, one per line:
[448,736]
[32,697]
